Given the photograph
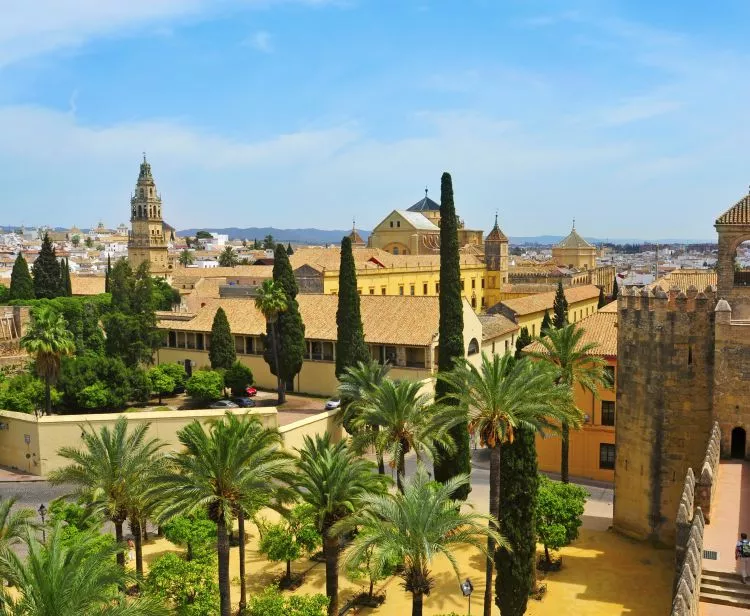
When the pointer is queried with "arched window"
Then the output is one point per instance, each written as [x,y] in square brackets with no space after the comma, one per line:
[140,192]
[473,347]
[742,264]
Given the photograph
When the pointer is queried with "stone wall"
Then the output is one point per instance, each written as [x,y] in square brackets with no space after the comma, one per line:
[664,404]
[688,579]
[705,487]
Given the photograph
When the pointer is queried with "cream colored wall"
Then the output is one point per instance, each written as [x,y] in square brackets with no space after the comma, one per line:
[294,433]
[496,346]
[583,258]
[576,312]
[472,330]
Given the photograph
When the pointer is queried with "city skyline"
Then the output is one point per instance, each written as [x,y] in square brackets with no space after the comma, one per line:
[307,113]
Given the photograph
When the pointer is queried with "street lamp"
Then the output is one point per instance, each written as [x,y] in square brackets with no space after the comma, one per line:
[42,513]
[467,588]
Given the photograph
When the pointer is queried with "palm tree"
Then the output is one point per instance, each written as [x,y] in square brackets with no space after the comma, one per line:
[500,396]
[108,470]
[14,525]
[47,340]
[406,421]
[232,465]
[186,258]
[228,258]
[71,578]
[271,301]
[574,364]
[414,527]
[334,480]
[354,383]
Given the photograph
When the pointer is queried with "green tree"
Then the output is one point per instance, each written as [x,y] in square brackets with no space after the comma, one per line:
[194,531]
[615,289]
[575,365]
[238,378]
[21,284]
[177,373]
[89,242]
[222,352]
[4,294]
[546,324]
[271,602]
[516,570]
[46,271]
[602,300]
[290,539]
[15,523]
[289,249]
[406,421]
[228,257]
[558,514]
[560,308]
[414,527]
[25,393]
[205,386]
[187,585]
[523,340]
[203,235]
[451,335]
[161,383]
[271,301]
[231,466]
[47,341]
[350,339]
[82,376]
[366,567]
[66,285]
[107,273]
[164,295]
[334,480]
[268,242]
[75,240]
[186,258]
[499,397]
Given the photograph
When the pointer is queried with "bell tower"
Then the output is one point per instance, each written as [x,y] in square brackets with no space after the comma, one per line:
[496,264]
[146,240]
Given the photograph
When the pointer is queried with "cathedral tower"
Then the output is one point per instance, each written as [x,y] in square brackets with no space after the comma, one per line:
[147,240]
[496,263]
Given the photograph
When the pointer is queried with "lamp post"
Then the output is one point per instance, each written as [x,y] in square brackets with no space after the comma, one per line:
[467,588]
[42,513]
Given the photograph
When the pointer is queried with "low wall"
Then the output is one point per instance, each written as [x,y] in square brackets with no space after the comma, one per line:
[688,583]
[328,421]
[705,489]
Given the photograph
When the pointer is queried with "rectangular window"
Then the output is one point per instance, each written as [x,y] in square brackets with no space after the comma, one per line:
[608,413]
[483,283]
[437,288]
[533,329]
[473,283]
[473,302]
[372,290]
[606,456]
[398,223]
[462,284]
[424,289]
[507,346]
[391,224]
[359,291]
[400,289]
[411,290]
[382,290]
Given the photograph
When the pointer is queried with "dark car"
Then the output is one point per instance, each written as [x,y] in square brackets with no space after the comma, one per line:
[244,402]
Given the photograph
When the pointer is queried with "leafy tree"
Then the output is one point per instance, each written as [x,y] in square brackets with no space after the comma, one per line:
[186,258]
[4,294]
[107,274]
[334,481]
[257,245]
[194,531]
[271,301]
[546,324]
[187,585]
[451,335]
[271,602]
[238,378]
[46,271]
[205,386]
[230,466]
[177,374]
[289,249]
[47,341]
[406,422]
[368,568]
[83,378]
[615,289]
[25,393]
[350,340]
[523,340]
[89,242]
[203,235]
[516,570]
[21,284]
[558,513]
[574,365]
[290,539]
[268,242]
[501,396]
[228,257]
[15,522]
[414,527]
[222,352]
[75,240]
[602,300]
[165,296]
[161,383]
[560,308]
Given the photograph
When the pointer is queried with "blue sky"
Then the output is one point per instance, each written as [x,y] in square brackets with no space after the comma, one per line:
[630,116]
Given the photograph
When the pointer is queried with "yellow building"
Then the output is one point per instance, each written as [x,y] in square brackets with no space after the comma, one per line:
[574,252]
[529,311]
[592,449]
[402,331]
[498,334]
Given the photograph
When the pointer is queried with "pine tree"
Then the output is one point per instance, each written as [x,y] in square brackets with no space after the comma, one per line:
[21,284]
[222,352]
[602,300]
[560,308]
[289,249]
[523,340]
[546,324]
[66,281]
[615,290]
[516,570]
[451,334]
[46,270]
[350,340]
[289,326]
[107,273]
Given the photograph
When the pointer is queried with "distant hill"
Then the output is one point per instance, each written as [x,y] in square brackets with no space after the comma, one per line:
[299,236]
[551,240]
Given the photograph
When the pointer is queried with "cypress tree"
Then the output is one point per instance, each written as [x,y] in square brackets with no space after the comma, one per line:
[222,352]
[67,282]
[602,299]
[516,570]
[451,334]
[289,326]
[107,273]
[560,308]
[546,324]
[523,340]
[46,270]
[289,249]
[21,284]
[615,290]
[350,339]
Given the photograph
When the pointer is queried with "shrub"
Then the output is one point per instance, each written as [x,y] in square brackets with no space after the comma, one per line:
[205,386]
[272,603]
[238,377]
[24,393]
[161,383]
[93,396]
[291,538]
[195,532]
[559,510]
[188,585]
[177,373]
[77,374]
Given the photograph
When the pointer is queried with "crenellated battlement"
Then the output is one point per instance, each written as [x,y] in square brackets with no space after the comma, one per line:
[633,300]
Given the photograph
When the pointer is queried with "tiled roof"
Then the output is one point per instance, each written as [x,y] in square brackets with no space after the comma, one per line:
[87,285]
[573,241]
[684,278]
[599,328]
[611,307]
[494,325]
[496,235]
[371,258]
[418,221]
[543,301]
[356,238]
[387,319]
[738,214]
[424,205]
[240,271]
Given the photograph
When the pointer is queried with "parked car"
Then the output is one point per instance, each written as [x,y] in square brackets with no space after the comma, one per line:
[223,404]
[243,402]
[333,403]
[251,391]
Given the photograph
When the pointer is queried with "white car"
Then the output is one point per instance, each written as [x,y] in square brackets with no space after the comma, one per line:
[332,404]
[223,404]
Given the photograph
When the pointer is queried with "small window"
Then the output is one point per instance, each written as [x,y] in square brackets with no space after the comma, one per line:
[395,251]
[533,329]
[473,302]
[411,290]
[473,347]
[424,289]
[382,290]
[398,223]
[462,284]
[483,283]
[608,413]
[473,283]
[372,290]
[391,224]
[507,346]
[437,288]
[606,456]
[401,289]
[359,291]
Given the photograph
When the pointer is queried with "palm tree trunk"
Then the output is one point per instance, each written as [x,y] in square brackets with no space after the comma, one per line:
[47,395]
[118,538]
[135,528]
[331,553]
[222,545]
[243,580]
[401,471]
[565,451]
[281,398]
[495,477]
[547,559]
[381,464]
[416,604]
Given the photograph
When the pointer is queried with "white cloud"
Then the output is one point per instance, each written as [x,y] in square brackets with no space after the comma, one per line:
[261,41]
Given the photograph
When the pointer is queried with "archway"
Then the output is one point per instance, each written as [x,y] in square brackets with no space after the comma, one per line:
[739,438]
[742,264]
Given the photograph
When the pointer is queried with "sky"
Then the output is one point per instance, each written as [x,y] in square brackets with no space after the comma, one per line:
[630,116]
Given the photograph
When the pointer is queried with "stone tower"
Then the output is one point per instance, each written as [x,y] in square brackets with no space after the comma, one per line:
[147,240]
[574,251]
[496,263]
